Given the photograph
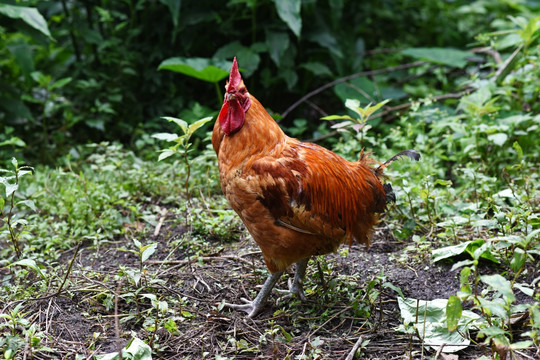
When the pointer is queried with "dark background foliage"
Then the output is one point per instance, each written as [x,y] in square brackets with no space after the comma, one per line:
[95,78]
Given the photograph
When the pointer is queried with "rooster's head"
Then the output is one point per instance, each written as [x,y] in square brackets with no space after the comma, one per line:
[236,104]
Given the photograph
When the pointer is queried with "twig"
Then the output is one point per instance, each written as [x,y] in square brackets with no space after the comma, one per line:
[204,258]
[160,223]
[439,350]
[350,77]
[354,348]
[116,322]
[65,277]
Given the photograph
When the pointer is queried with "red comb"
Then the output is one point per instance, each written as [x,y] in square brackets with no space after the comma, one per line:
[234,77]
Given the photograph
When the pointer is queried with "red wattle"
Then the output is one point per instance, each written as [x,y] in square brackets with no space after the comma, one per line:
[231,117]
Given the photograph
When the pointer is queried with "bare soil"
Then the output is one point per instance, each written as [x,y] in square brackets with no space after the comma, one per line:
[81,320]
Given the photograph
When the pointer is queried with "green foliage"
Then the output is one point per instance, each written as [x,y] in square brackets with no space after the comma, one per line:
[74,72]
[182,144]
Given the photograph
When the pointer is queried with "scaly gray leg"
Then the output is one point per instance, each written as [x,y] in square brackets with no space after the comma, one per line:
[297,286]
[253,307]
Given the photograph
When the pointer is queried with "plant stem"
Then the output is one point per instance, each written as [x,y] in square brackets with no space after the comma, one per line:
[218,92]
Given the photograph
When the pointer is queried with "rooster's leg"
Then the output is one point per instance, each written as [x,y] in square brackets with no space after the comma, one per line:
[253,307]
[297,286]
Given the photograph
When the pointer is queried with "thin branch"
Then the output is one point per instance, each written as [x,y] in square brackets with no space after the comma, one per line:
[355,348]
[350,77]
[392,109]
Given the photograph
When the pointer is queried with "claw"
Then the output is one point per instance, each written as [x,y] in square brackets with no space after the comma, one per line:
[248,307]
[297,289]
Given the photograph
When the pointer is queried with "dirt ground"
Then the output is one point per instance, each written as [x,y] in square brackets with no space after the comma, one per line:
[81,320]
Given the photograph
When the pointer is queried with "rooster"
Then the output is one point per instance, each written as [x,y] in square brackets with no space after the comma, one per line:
[296,199]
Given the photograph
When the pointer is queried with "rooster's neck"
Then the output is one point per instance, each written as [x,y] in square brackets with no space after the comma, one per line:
[259,136]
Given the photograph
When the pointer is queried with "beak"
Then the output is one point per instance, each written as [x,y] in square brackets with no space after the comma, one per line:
[230,96]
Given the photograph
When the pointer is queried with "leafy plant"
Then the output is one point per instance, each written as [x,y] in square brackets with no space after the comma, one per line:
[182,144]
[11,185]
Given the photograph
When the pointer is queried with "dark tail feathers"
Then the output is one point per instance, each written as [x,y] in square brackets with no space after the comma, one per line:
[388,191]
[413,154]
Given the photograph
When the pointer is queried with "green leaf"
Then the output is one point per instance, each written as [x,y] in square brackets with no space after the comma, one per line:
[135,350]
[468,246]
[317,68]
[13,141]
[454,310]
[498,139]
[147,251]
[183,124]
[174,8]
[337,117]
[166,153]
[10,188]
[31,264]
[22,53]
[210,70]
[444,56]
[518,259]
[518,149]
[60,83]
[278,42]
[289,12]
[165,136]
[28,203]
[29,15]
[429,318]
[501,285]
[247,57]
[197,124]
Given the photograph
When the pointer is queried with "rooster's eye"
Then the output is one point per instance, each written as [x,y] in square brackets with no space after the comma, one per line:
[242,91]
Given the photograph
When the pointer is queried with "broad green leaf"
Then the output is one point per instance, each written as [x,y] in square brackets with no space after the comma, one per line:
[32,265]
[327,41]
[430,317]
[60,83]
[524,288]
[165,154]
[501,285]
[23,55]
[10,188]
[360,88]
[498,139]
[135,350]
[174,8]
[491,331]
[317,68]
[197,124]
[210,70]
[278,42]
[13,141]
[289,12]
[147,251]
[466,247]
[443,56]
[165,136]
[518,259]
[453,312]
[137,244]
[28,203]
[183,124]
[246,56]
[29,15]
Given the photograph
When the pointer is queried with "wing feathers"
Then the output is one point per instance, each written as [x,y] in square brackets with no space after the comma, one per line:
[314,191]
